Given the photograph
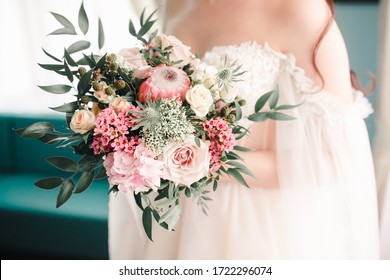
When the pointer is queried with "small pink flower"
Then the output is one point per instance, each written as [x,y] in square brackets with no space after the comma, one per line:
[164,82]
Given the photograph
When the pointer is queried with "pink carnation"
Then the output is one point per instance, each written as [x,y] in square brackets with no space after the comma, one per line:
[134,172]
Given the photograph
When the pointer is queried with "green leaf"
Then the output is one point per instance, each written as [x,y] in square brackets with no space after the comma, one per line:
[69,59]
[86,60]
[36,130]
[101,62]
[63,163]
[101,35]
[262,100]
[287,107]
[187,192]
[50,138]
[69,74]
[101,174]
[242,149]
[157,218]
[258,117]
[147,221]
[85,181]
[233,156]
[65,192]
[83,19]
[51,56]
[197,141]
[78,46]
[138,200]
[66,108]
[273,101]
[132,29]
[84,84]
[145,28]
[238,111]
[215,185]
[279,116]
[141,19]
[241,167]
[237,175]
[49,183]
[65,23]
[63,31]
[52,67]
[57,89]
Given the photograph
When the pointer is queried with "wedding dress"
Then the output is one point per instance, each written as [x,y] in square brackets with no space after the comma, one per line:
[326,204]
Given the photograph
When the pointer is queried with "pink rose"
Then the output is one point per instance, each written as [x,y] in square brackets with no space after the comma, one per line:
[185,162]
[119,104]
[136,62]
[82,121]
[179,51]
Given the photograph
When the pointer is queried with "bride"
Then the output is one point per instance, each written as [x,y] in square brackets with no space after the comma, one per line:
[314,195]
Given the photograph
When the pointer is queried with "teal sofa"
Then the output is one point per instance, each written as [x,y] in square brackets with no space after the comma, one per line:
[32,226]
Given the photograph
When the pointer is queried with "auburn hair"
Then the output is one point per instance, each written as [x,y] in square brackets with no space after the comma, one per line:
[354,77]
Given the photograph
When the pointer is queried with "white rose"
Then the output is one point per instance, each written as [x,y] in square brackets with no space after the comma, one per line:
[186,163]
[82,121]
[228,94]
[200,100]
[179,51]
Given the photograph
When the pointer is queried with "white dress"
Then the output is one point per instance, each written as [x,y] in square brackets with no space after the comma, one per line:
[326,206]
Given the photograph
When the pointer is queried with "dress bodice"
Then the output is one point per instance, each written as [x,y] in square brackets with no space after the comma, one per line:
[264,67]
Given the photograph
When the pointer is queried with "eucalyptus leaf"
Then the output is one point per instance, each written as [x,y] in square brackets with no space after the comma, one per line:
[63,31]
[215,185]
[35,130]
[78,46]
[273,100]
[84,84]
[52,67]
[63,163]
[50,138]
[66,108]
[287,107]
[51,56]
[65,23]
[242,149]
[258,117]
[279,116]
[69,59]
[57,89]
[65,192]
[132,29]
[85,181]
[138,200]
[145,28]
[49,183]
[238,111]
[86,60]
[262,101]
[101,37]
[241,167]
[147,221]
[237,175]
[69,73]
[101,62]
[83,19]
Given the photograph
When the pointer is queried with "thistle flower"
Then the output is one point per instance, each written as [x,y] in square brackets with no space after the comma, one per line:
[228,73]
[164,82]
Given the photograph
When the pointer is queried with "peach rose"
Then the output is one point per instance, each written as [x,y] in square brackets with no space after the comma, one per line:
[186,163]
[179,51]
[119,103]
[82,121]
[137,63]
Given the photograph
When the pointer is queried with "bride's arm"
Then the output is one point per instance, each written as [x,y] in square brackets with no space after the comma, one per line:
[333,76]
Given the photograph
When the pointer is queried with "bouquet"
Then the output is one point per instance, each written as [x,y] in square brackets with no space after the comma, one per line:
[153,119]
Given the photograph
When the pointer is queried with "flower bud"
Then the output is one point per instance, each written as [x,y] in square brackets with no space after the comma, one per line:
[242,102]
[97,86]
[110,91]
[119,84]
[111,57]
[231,118]
[113,67]
[84,99]
[82,71]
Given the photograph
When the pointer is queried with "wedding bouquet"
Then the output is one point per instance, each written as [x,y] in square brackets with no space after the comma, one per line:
[153,119]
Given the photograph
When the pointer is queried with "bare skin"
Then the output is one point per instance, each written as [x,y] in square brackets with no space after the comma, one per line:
[288,26]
